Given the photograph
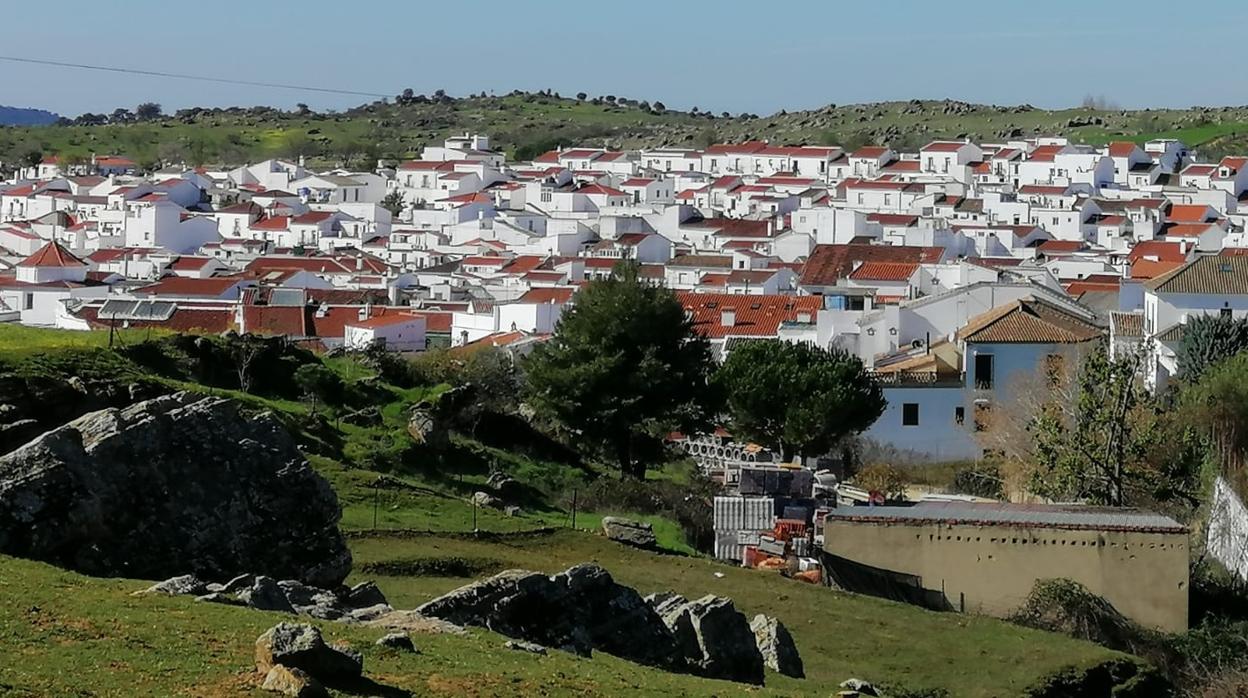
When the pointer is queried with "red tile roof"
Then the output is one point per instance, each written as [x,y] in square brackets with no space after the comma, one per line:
[943,146]
[190,287]
[828,263]
[559,296]
[754,316]
[52,255]
[884,271]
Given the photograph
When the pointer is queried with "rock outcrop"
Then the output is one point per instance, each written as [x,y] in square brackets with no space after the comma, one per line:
[777,646]
[715,638]
[174,485]
[360,603]
[578,610]
[635,533]
[584,609]
[300,646]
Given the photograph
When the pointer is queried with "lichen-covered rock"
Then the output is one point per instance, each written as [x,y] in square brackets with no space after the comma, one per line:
[635,533]
[578,610]
[182,585]
[522,646]
[716,639]
[777,647]
[397,641]
[290,681]
[264,594]
[301,646]
[168,486]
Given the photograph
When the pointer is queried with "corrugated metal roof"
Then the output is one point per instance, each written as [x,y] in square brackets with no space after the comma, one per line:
[1076,517]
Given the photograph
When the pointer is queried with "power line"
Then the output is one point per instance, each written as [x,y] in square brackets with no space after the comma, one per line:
[184,76]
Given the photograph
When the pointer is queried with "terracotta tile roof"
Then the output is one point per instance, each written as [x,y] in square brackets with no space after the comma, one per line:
[52,255]
[1143,269]
[828,263]
[1127,324]
[1159,250]
[754,316]
[884,271]
[183,320]
[701,260]
[383,320]
[1028,321]
[943,146]
[1122,149]
[893,219]
[558,296]
[1190,213]
[1205,275]
[190,287]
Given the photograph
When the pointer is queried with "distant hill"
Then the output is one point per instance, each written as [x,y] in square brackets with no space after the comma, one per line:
[527,124]
[20,116]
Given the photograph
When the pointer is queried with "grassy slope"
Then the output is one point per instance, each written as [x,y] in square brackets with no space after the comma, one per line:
[160,647]
[391,131]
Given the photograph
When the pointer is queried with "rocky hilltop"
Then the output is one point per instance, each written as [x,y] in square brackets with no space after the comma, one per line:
[172,485]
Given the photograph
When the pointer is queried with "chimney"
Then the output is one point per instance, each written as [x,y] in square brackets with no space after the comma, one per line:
[728,317]
[359,262]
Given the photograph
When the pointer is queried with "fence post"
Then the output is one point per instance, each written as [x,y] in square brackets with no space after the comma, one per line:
[574,510]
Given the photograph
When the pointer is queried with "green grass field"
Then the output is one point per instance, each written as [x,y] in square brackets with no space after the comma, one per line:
[64,634]
[360,136]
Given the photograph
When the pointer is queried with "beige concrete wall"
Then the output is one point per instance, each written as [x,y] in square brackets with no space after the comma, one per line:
[992,568]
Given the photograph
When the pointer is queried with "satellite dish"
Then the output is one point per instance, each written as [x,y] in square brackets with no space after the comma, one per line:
[916,344]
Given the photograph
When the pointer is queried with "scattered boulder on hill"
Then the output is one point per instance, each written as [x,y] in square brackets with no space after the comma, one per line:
[172,485]
[578,610]
[777,646]
[360,603]
[583,609]
[635,533]
[300,646]
[715,639]
[294,682]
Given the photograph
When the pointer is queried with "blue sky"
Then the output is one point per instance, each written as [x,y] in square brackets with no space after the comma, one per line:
[725,55]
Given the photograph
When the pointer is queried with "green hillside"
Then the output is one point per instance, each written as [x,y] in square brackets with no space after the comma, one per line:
[410,529]
[525,124]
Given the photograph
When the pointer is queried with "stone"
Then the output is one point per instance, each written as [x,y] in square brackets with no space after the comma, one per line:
[397,641]
[366,614]
[860,687]
[238,583]
[776,645]
[578,610]
[291,681]
[485,499]
[264,594]
[362,595]
[184,585]
[173,485]
[218,597]
[300,646]
[635,533]
[716,640]
[410,621]
[521,645]
[511,510]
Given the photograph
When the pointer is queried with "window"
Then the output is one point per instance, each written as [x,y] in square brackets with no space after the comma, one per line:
[909,414]
[28,301]
[959,415]
[860,197]
[983,371]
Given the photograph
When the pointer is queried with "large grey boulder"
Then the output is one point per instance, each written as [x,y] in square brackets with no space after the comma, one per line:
[777,647]
[635,533]
[715,639]
[174,485]
[300,646]
[578,610]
